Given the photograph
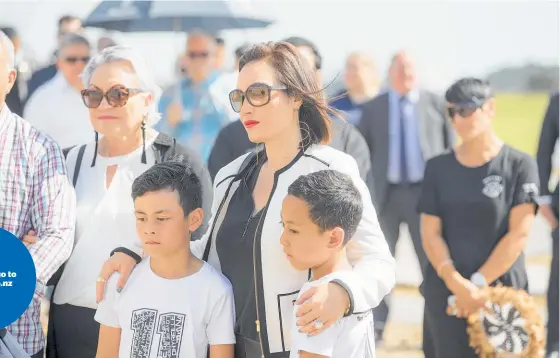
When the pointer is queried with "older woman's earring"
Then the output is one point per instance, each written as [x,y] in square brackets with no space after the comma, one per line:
[143,126]
[95,151]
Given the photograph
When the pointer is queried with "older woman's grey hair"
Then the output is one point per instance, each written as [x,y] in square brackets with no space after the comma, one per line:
[145,76]
[8,46]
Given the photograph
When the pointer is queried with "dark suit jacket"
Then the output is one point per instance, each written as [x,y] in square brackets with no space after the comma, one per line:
[232,142]
[549,135]
[435,131]
[39,78]
[14,100]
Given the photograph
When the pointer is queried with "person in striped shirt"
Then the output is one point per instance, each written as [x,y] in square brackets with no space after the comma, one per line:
[37,196]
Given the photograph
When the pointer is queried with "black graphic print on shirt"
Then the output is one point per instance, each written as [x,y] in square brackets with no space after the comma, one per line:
[170,328]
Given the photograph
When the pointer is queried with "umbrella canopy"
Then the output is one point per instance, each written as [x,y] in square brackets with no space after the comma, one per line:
[187,15]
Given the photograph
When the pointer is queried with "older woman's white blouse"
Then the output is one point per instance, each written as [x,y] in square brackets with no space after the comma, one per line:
[104,220]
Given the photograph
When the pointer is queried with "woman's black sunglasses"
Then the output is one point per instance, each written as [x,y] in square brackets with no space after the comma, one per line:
[257,94]
[116,96]
[464,112]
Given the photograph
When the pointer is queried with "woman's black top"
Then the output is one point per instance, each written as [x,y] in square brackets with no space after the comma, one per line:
[474,205]
[236,238]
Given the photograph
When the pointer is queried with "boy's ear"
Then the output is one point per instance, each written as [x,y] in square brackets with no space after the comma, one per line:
[195,219]
[336,238]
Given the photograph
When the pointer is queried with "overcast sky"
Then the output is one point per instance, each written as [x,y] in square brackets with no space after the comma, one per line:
[448,38]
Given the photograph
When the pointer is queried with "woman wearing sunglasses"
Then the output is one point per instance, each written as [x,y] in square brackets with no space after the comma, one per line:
[281,107]
[477,206]
[121,96]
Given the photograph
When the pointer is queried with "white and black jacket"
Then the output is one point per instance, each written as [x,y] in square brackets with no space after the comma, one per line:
[277,282]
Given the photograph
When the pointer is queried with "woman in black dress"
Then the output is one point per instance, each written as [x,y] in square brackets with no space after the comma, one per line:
[477,207]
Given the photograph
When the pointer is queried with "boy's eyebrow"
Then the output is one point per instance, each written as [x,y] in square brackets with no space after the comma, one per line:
[157,212]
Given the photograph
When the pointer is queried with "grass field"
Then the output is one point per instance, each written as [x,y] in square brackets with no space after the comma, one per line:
[519,118]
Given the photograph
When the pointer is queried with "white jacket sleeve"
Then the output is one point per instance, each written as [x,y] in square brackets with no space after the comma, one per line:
[368,252]
[198,246]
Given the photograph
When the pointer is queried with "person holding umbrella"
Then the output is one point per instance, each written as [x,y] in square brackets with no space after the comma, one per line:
[280,105]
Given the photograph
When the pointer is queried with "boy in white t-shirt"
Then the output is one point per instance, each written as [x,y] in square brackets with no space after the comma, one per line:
[320,214]
[174,305]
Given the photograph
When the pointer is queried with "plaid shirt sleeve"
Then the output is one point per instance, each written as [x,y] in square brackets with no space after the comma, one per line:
[52,215]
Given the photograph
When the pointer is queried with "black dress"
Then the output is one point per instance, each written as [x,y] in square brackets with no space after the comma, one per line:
[474,206]
[234,244]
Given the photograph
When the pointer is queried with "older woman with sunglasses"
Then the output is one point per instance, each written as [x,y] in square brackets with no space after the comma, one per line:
[281,106]
[121,96]
[477,206]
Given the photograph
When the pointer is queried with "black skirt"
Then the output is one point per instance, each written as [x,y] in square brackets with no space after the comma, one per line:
[73,332]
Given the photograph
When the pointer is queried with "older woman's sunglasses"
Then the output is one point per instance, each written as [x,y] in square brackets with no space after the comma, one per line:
[116,96]
[257,94]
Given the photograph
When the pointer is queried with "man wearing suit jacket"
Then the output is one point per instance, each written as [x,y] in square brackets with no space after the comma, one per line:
[403,127]
[549,209]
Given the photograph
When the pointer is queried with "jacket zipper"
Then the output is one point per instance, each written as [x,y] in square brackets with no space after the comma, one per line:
[258,321]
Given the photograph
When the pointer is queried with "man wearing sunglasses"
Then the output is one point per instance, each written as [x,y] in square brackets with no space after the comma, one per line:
[67,24]
[194,110]
[233,140]
[56,108]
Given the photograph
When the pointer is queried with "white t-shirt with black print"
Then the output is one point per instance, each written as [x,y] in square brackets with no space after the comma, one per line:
[169,318]
[349,337]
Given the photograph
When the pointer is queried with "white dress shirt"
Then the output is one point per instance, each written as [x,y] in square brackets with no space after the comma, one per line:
[104,219]
[57,110]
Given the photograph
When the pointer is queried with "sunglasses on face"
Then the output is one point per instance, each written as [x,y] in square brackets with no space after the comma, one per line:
[465,109]
[116,96]
[194,55]
[257,94]
[463,112]
[75,59]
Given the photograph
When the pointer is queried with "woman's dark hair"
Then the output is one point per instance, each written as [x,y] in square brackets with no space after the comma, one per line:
[299,79]
[469,89]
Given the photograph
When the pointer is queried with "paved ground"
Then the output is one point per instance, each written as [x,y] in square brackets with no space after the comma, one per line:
[404,332]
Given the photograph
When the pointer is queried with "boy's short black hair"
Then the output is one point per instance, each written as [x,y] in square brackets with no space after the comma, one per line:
[173,176]
[333,199]
[469,90]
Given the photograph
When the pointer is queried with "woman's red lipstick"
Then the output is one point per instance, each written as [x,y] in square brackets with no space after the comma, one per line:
[250,123]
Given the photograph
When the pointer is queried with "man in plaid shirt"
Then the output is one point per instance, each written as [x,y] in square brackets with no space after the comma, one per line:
[35,194]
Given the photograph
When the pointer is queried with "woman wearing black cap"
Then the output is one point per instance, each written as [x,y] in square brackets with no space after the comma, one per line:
[477,206]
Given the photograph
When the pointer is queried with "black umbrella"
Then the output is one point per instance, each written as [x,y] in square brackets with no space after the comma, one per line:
[187,15]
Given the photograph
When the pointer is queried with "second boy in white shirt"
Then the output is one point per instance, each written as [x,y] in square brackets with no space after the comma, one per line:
[320,214]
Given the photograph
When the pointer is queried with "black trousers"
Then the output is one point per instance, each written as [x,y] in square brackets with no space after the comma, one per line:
[73,332]
[552,298]
[400,207]
[443,336]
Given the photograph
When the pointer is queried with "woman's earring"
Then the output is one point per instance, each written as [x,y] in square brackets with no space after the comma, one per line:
[143,127]
[95,151]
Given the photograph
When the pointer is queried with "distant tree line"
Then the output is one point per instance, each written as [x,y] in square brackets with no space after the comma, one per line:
[529,78]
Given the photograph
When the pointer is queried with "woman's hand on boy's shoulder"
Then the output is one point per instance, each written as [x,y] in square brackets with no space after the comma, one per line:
[119,262]
[320,307]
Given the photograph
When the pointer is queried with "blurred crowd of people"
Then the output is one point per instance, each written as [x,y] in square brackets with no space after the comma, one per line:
[391,131]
